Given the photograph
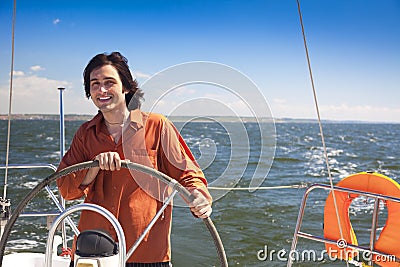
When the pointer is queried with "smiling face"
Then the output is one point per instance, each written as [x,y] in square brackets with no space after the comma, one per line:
[106,90]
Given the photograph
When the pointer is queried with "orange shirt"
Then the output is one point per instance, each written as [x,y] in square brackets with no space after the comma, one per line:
[150,139]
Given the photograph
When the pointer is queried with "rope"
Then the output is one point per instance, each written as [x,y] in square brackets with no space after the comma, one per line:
[319,121]
[296,186]
[10,99]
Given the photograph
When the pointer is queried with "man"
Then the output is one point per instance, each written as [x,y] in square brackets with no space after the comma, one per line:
[122,131]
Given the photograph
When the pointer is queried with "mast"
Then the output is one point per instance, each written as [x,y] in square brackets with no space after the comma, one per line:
[62,152]
[62,127]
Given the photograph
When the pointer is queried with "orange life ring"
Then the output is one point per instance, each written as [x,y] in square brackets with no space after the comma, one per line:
[389,239]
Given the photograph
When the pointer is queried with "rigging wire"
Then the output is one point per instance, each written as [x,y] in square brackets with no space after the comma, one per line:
[319,121]
[296,186]
[10,99]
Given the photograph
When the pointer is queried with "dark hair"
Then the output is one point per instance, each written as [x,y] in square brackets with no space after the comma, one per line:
[135,95]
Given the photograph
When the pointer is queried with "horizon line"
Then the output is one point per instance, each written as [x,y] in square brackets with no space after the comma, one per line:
[54,116]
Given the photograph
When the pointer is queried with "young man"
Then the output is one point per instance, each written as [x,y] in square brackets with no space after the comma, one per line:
[122,131]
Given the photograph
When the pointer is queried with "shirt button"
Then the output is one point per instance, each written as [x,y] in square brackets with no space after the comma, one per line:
[115,188]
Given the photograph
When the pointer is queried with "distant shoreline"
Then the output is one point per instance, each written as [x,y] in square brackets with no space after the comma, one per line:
[50,117]
[86,117]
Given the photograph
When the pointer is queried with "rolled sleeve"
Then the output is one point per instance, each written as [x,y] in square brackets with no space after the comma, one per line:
[70,185]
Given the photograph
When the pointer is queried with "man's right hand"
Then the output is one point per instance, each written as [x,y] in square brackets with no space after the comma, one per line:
[109,161]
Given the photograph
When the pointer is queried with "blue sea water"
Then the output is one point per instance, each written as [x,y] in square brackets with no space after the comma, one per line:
[251,224]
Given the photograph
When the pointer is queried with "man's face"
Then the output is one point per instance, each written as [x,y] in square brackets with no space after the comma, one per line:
[106,89]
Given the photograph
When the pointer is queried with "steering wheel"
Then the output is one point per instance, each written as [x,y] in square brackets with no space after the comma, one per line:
[125,164]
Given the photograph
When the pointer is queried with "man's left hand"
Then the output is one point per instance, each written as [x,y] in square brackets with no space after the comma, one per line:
[200,206]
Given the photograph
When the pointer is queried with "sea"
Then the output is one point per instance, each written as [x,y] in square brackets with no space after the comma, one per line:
[256,225]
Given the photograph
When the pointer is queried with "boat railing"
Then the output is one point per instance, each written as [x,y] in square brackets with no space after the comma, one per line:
[95,208]
[59,202]
[370,249]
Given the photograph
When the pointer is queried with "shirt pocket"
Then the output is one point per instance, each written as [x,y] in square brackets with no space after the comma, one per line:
[148,183]
[143,156]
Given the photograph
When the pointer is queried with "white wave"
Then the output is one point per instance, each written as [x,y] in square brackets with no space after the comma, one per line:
[30,184]
[308,139]
[23,244]
[351,155]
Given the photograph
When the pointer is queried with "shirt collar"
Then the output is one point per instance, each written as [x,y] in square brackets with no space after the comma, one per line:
[135,118]
[96,121]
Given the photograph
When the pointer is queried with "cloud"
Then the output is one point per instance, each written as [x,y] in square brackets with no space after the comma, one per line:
[139,74]
[32,94]
[37,68]
[18,73]
[56,21]
[361,112]
[342,112]
[279,100]
[184,91]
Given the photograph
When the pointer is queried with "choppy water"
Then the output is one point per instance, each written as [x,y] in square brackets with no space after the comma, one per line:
[247,221]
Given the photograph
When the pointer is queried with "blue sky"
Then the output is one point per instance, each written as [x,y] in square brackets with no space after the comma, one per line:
[354,47]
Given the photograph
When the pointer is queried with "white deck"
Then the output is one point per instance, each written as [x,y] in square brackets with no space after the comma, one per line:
[27,259]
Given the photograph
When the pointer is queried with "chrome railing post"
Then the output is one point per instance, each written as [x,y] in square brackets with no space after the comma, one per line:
[298,225]
[372,237]
[91,207]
